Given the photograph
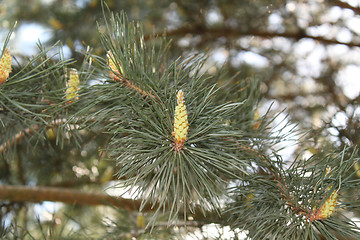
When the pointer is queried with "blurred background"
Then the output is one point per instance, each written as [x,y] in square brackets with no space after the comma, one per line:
[305,52]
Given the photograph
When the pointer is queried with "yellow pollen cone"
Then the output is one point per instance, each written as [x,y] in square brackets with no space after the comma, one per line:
[114,72]
[140,221]
[181,124]
[328,207]
[257,120]
[50,133]
[357,167]
[73,86]
[5,66]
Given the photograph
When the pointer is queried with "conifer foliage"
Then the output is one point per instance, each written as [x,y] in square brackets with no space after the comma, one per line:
[185,151]
[170,154]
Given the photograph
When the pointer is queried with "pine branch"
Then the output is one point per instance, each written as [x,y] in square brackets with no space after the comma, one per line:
[280,182]
[22,193]
[69,196]
[235,33]
[301,197]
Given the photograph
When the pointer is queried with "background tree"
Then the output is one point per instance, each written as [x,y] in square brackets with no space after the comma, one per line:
[295,54]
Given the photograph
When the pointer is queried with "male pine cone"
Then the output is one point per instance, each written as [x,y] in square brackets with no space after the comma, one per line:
[5,66]
[327,208]
[73,85]
[181,124]
[114,72]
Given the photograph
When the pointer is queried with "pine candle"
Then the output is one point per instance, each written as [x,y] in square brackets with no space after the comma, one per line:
[181,124]
[5,66]
[114,72]
[72,86]
[328,207]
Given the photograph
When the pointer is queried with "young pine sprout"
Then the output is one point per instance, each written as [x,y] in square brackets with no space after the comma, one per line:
[181,124]
[5,66]
[72,86]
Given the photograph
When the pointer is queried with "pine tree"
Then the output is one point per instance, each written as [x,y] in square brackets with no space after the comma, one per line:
[189,148]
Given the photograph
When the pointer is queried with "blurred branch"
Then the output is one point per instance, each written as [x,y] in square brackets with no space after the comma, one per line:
[226,32]
[18,137]
[345,5]
[73,196]
[31,130]
[69,196]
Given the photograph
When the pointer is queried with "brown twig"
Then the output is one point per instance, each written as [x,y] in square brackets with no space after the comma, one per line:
[69,196]
[131,85]
[310,214]
[345,5]
[72,196]
[235,33]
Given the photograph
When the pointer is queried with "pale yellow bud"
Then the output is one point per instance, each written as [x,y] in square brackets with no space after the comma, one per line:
[357,167]
[140,221]
[329,205]
[257,120]
[181,124]
[107,175]
[327,208]
[73,86]
[50,133]
[56,23]
[114,72]
[5,66]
